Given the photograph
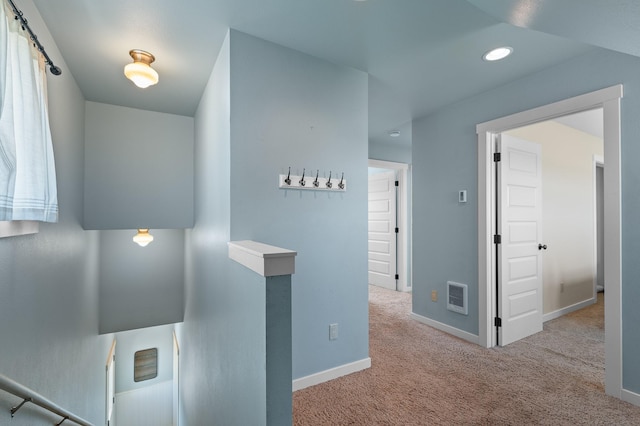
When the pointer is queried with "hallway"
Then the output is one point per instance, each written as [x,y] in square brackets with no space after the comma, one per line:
[421,376]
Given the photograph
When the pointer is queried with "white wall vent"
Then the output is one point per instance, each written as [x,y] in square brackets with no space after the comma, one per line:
[457,298]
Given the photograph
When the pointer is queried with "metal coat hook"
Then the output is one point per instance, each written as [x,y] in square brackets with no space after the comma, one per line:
[288,179]
[341,184]
[329,184]
[302,183]
[315,182]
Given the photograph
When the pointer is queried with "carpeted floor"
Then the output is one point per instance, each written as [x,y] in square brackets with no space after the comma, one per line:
[421,376]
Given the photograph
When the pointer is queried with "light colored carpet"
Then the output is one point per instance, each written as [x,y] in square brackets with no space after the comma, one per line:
[421,376]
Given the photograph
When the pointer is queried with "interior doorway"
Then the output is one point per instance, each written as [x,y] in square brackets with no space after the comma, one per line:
[609,100]
[389,225]
[145,379]
[547,206]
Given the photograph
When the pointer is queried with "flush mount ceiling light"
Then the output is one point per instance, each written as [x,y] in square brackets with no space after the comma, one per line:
[394,133]
[143,237]
[498,53]
[140,71]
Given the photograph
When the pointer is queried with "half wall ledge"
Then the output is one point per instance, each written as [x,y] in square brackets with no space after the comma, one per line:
[266,260]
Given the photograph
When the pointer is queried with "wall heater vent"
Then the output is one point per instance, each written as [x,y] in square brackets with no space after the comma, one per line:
[457,298]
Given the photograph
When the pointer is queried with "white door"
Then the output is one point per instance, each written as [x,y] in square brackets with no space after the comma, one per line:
[382,230]
[519,226]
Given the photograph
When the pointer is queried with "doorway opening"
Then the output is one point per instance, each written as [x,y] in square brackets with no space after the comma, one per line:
[609,100]
[547,222]
[143,377]
[389,253]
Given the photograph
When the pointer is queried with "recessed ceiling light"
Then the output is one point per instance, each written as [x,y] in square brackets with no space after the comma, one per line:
[394,133]
[498,53]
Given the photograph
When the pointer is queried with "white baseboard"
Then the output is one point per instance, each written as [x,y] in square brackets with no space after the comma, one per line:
[332,373]
[446,328]
[630,397]
[568,309]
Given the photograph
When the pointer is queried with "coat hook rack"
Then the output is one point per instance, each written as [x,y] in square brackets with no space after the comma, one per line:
[289,181]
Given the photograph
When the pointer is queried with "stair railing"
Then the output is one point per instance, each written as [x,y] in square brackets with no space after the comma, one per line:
[29,395]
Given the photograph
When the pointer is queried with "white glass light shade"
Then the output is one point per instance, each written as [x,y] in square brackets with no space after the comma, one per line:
[141,74]
[140,71]
[143,237]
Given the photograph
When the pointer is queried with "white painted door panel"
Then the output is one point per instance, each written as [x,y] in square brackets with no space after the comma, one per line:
[519,224]
[382,235]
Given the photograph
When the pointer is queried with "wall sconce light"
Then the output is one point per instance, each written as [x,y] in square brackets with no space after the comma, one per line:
[140,71]
[143,237]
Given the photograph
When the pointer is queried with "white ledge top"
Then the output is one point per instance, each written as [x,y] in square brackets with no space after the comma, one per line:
[262,258]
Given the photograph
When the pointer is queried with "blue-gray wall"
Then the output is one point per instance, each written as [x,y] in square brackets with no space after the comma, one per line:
[48,281]
[141,286]
[289,109]
[219,365]
[138,168]
[389,152]
[267,108]
[445,160]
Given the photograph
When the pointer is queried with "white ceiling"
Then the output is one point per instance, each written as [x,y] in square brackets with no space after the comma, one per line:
[612,24]
[591,122]
[420,54]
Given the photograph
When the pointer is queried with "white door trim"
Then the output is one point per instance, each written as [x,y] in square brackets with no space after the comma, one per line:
[402,215]
[598,161]
[609,100]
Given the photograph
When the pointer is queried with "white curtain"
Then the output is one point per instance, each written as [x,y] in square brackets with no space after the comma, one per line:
[27,171]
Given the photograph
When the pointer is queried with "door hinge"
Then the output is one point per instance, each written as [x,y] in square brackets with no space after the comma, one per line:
[497,321]
[397,230]
[497,239]
[496,157]
[397,277]
[397,183]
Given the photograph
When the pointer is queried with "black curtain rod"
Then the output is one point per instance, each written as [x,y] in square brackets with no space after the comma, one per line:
[25,26]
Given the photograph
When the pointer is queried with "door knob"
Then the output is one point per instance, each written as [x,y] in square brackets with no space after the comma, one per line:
[542,246]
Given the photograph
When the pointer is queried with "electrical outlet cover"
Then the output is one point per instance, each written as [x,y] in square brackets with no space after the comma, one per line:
[333,331]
